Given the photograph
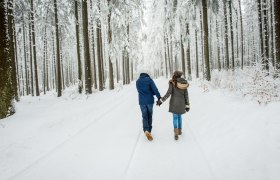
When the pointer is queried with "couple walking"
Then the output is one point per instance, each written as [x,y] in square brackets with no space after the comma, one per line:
[178,105]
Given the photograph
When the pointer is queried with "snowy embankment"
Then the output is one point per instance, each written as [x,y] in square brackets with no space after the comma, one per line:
[100,137]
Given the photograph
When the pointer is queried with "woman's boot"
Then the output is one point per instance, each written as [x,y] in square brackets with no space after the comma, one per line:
[176,133]
[180,131]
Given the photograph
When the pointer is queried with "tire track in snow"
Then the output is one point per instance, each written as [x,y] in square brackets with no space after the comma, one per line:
[86,109]
[131,157]
[202,152]
[123,177]
[104,114]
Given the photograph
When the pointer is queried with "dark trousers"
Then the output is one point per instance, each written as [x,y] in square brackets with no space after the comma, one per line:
[147,115]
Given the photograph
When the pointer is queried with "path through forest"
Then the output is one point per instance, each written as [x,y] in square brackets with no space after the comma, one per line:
[100,137]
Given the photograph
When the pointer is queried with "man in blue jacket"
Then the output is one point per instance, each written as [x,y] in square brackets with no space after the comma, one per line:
[146,90]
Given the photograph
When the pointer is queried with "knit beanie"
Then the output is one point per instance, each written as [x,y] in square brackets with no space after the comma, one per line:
[178,74]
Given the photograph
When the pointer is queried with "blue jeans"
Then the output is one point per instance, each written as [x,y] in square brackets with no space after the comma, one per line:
[177,120]
[147,115]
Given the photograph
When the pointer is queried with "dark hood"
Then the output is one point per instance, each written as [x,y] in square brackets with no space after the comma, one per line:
[143,75]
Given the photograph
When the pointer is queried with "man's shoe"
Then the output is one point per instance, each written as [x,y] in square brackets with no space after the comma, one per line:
[148,135]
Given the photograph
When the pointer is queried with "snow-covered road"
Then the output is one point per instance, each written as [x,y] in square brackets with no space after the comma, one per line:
[100,138]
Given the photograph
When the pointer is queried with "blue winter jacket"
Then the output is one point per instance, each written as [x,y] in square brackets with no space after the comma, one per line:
[146,89]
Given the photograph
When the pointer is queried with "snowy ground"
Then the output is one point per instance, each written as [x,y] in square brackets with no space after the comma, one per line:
[100,137]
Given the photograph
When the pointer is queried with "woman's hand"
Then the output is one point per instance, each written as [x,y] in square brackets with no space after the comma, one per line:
[187,108]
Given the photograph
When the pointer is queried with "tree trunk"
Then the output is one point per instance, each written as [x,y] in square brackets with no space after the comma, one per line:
[183,57]
[272,34]
[102,58]
[206,40]
[45,58]
[54,65]
[127,68]
[171,62]
[31,56]
[218,45]
[131,70]
[99,56]
[22,81]
[94,61]
[34,50]
[16,63]
[260,29]
[47,67]
[6,86]
[202,47]
[10,6]
[127,56]
[58,66]
[196,55]
[80,84]
[226,36]
[266,36]
[189,54]
[165,56]
[117,70]
[169,56]
[277,32]
[241,35]
[111,75]
[231,35]
[237,40]
[61,62]
[93,73]
[88,82]
[25,57]
[123,67]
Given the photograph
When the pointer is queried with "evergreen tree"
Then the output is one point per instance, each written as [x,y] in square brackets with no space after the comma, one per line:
[241,34]
[80,84]
[88,83]
[111,75]
[277,31]
[58,66]
[6,89]
[231,35]
[226,35]
[34,50]
[189,53]
[12,50]
[206,40]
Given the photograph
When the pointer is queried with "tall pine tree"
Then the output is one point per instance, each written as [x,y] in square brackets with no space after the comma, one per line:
[58,67]
[6,89]
[88,80]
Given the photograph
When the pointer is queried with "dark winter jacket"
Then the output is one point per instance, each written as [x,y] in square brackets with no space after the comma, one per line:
[146,89]
[179,96]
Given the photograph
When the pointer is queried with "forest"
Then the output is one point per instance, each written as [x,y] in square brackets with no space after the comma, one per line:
[93,45]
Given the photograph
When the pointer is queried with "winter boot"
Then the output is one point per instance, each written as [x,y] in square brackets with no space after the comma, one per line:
[148,135]
[176,133]
[180,131]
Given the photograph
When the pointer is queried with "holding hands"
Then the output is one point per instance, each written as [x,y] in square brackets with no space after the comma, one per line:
[159,102]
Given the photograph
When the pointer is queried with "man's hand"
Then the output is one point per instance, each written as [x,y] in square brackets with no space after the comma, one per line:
[159,102]
[187,108]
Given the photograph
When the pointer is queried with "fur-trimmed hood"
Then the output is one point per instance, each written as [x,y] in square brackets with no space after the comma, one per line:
[181,83]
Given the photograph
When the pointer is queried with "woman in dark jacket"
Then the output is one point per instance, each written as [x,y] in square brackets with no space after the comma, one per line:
[179,101]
